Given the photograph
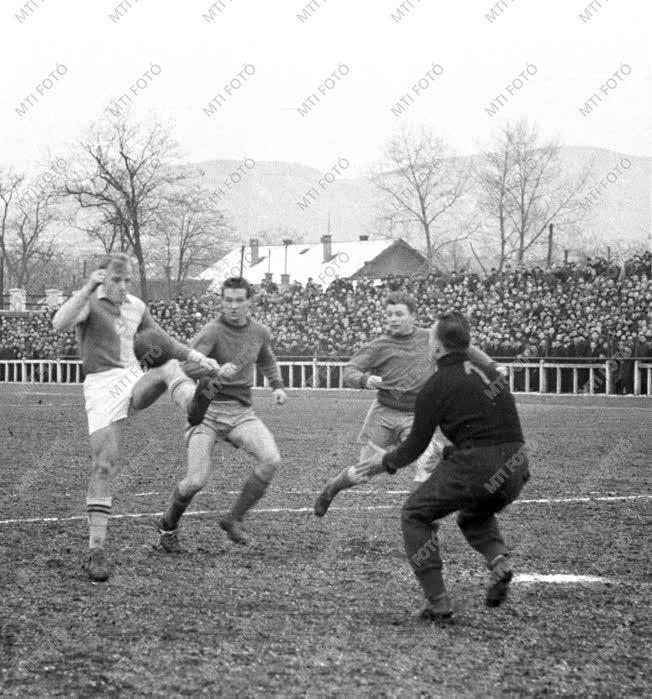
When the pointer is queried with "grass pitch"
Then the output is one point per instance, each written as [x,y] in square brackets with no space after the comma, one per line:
[317,607]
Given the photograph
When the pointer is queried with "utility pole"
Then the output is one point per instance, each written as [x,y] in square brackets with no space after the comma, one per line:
[550,229]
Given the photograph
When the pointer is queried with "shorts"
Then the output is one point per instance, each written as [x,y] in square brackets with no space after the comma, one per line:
[231,421]
[107,395]
[388,427]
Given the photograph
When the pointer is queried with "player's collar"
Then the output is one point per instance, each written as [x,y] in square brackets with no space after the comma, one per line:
[452,358]
[223,320]
[101,294]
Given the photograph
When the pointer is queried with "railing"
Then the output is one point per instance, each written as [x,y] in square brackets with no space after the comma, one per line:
[592,378]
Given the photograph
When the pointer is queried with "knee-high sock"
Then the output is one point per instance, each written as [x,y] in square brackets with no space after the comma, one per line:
[253,489]
[177,507]
[99,511]
[340,482]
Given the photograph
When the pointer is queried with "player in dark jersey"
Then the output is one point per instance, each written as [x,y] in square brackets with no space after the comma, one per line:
[222,411]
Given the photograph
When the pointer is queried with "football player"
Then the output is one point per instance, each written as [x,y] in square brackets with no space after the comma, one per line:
[107,318]
[221,410]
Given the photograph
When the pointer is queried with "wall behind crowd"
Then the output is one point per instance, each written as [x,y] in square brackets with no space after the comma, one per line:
[575,310]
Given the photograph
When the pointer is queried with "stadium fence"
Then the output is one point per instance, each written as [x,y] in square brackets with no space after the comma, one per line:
[542,376]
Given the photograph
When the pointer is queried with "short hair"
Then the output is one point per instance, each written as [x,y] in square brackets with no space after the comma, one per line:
[397,297]
[454,331]
[115,259]
[238,283]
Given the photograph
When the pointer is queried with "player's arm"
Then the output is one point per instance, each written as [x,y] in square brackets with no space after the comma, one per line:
[76,309]
[427,410]
[477,356]
[360,368]
[266,360]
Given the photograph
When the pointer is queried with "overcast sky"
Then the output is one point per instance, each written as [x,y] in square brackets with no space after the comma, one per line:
[381,53]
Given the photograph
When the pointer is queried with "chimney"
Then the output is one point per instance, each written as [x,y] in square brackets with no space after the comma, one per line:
[364,238]
[327,248]
[255,251]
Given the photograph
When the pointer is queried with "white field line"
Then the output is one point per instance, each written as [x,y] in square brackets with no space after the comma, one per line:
[559,578]
[407,492]
[274,510]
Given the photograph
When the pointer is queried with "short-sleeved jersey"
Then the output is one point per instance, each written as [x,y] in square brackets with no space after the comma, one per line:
[244,346]
[105,331]
[403,362]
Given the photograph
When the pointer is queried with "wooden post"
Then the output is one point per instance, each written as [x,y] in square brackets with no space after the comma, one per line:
[242,249]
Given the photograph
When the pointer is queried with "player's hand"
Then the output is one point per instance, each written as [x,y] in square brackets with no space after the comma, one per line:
[280,396]
[374,382]
[502,370]
[211,365]
[228,370]
[365,469]
[96,278]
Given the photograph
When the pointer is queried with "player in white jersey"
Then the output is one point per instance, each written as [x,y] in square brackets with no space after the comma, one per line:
[107,318]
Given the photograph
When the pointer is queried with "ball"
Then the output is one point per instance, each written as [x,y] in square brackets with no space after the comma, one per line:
[152,347]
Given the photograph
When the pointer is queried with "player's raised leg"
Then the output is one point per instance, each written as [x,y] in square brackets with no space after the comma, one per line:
[377,430]
[254,437]
[104,448]
[162,356]
[200,448]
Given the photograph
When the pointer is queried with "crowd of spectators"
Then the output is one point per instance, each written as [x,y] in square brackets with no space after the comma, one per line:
[590,309]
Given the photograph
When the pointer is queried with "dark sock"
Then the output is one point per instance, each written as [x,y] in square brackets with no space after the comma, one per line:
[176,509]
[204,393]
[253,489]
[340,482]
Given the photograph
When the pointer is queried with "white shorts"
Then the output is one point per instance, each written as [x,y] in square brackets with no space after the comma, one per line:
[107,395]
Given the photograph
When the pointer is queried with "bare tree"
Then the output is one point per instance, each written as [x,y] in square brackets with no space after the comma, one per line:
[423,183]
[10,186]
[31,249]
[525,189]
[193,234]
[492,177]
[105,226]
[123,171]
[27,216]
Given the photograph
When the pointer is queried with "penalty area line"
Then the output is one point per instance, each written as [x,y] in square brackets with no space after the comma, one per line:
[276,510]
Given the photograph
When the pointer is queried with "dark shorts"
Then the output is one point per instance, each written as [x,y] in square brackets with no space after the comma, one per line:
[486,477]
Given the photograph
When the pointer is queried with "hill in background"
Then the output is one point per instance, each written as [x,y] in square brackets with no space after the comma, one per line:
[268,199]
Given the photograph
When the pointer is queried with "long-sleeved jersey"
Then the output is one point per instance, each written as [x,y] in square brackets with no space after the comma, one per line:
[403,362]
[105,330]
[245,346]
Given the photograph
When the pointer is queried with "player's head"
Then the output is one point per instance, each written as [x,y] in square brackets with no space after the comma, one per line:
[236,300]
[450,333]
[119,273]
[399,313]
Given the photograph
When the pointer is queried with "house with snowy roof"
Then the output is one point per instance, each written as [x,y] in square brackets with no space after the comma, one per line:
[322,262]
